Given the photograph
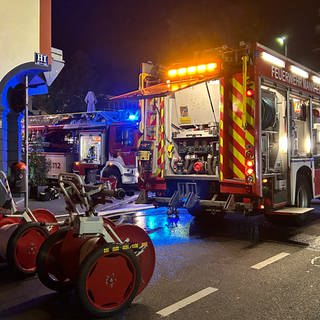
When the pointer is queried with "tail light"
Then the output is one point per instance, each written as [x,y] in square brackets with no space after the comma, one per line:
[250,177]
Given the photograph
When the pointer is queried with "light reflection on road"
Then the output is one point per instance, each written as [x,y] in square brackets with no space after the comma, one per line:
[164,230]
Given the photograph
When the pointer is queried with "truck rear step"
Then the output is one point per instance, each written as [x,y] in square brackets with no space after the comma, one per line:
[289,211]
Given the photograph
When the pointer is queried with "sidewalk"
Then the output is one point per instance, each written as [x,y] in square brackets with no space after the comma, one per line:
[57,206]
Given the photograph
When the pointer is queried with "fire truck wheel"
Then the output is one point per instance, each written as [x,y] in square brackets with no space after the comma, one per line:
[48,264]
[23,247]
[108,281]
[113,173]
[90,176]
[303,200]
[303,193]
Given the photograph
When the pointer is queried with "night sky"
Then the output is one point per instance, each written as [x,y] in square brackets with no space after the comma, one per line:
[104,41]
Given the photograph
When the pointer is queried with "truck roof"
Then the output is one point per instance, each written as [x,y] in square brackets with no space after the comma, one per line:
[77,120]
[310,81]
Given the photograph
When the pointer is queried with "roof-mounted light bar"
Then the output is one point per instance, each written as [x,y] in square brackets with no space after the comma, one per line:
[299,72]
[316,79]
[201,69]
[273,60]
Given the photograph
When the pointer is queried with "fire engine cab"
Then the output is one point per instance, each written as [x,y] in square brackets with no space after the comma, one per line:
[237,132]
[102,143]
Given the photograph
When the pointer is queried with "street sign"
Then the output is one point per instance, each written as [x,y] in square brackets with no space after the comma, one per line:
[41,59]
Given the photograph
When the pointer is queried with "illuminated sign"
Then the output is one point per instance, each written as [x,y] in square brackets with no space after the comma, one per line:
[287,72]
[273,60]
[294,79]
[41,59]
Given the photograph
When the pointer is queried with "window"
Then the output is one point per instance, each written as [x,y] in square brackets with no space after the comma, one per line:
[125,136]
[90,148]
[300,127]
[316,128]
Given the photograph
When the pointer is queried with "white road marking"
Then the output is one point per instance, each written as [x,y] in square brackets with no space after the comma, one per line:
[184,302]
[273,259]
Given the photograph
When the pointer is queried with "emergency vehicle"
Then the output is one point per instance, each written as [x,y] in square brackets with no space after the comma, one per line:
[91,144]
[239,131]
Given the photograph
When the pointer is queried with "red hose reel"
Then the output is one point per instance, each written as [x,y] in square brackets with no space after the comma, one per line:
[107,264]
[21,236]
[22,233]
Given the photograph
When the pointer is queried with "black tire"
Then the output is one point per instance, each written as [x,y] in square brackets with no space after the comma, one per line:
[90,176]
[303,200]
[113,172]
[303,193]
[24,245]
[51,274]
[90,268]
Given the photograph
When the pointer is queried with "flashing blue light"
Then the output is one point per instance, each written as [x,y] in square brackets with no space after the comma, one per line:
[133,116]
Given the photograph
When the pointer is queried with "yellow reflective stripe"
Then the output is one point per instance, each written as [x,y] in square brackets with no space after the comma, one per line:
[221,164]
[250,120]
[250,102]
[236,170]
[237,85]
[134,246]
[250,138]
[238,121]
[237,154]
[238,138]
[236,102]
[125,246]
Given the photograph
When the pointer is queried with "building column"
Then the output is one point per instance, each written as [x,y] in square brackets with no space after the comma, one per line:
[3,137]
[14,137]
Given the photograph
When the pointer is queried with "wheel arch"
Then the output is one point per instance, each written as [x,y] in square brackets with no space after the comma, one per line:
[304,172]
[109,165]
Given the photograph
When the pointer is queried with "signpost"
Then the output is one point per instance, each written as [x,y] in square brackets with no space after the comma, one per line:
[26,145]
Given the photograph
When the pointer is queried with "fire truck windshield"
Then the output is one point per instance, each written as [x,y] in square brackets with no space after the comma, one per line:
[52,140]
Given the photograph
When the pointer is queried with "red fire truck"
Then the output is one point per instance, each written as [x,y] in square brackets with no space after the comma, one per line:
[102,143]
[237,132]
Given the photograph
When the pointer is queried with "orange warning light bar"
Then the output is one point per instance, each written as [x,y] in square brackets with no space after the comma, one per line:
[201,69]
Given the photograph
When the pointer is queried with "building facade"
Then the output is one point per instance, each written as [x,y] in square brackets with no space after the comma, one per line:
[27,67]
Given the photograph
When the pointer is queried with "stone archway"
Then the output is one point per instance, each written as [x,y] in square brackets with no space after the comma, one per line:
[10,117]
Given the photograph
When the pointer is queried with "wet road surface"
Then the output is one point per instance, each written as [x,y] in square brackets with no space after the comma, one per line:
[231,268]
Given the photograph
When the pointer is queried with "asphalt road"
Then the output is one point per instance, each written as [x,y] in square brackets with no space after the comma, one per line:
[204,270]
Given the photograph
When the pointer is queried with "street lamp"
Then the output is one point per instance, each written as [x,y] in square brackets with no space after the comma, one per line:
[283,41]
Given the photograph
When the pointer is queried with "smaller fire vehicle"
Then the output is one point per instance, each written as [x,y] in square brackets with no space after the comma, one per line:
[95,145]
